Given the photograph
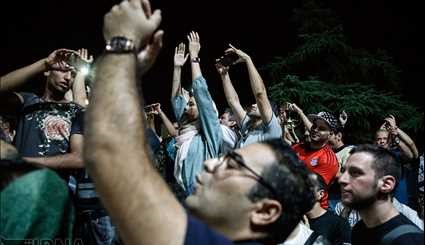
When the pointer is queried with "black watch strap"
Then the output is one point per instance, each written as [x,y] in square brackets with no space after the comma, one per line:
[196,60]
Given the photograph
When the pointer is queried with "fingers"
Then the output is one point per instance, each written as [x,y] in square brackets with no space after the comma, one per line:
[181,48]
[193,37]
[146,6]
[157,39]
[233,47]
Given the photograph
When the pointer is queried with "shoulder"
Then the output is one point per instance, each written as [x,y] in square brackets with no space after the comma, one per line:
[327,153]
[28,98]
[200,233]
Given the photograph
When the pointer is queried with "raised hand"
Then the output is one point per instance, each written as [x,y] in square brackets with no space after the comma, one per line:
[222,70]
[391,121]
[132,19]
[179,55]
[343,117]
[243,57]
[194,44]
[57,60]
[147,56]
[83,53]
[157,108]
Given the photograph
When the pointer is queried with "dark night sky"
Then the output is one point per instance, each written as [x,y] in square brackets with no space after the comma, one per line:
[261,28]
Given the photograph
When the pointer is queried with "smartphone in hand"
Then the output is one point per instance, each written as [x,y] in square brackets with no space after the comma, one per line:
[228,59]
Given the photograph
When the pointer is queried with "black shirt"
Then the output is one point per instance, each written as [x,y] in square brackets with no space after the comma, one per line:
[334,228]
[363,235]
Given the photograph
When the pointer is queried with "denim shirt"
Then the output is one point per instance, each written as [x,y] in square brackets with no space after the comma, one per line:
[206,144]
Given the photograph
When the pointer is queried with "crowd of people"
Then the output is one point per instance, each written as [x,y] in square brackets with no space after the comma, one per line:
[84,162]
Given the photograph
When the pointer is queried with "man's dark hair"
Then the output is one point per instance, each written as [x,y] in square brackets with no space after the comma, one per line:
[319,182]
[294,189]
[231,114]
[385,162]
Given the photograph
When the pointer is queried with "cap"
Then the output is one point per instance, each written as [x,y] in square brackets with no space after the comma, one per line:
[327,117]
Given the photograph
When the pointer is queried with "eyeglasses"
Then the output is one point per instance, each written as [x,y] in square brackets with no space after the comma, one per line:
[237,158]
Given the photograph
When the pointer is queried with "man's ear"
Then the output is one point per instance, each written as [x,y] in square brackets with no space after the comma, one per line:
[321,194]
[46,73]
[266,212]
[388,184]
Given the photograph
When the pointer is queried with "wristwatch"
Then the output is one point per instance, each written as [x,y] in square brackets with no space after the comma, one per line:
[196,60]
[120,45]
[397,140]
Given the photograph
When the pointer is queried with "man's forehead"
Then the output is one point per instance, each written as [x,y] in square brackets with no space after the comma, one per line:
[257,155]
[362,160]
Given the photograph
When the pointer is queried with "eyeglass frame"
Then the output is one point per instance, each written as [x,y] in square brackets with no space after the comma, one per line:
[241,162]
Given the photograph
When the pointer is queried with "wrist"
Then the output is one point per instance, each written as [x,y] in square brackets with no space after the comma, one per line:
[122,44]
[193,55]
[195,60]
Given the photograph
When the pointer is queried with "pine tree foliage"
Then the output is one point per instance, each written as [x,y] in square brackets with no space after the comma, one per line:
[325,73]
[325,52]
[365,105]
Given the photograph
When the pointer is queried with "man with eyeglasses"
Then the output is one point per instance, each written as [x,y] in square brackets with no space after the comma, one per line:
[253,195]
[317,154]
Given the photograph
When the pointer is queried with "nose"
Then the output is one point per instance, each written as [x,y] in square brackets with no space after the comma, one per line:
[211,165]
[68,75]
[343,179]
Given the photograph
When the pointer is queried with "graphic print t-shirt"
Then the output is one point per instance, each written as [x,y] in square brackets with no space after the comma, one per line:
[45,128]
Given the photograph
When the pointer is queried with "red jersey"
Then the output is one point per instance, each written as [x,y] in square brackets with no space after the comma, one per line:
[322,162]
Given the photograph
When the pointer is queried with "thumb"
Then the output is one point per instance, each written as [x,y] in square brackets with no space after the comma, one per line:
[156,18]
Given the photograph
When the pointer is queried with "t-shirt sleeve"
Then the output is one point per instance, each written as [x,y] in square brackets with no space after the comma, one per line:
[273,128]
[29,98]
[199,233]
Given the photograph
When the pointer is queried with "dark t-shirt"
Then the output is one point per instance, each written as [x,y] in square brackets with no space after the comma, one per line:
[363,235]
[199,233]
[45,128]
[334,228]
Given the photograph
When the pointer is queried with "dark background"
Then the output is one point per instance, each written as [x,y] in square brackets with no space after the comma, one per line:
[33,29]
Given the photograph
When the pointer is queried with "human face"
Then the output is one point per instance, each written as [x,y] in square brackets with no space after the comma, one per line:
[191,110]
[335,140]
[226,120]
[320,131]
[359,184]
[381,139]
[221,193]
[60,81]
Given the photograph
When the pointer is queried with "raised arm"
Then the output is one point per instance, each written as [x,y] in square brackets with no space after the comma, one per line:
[257,86]
[167,123]
[307,123]
[404,142]
[17,78]
[210,124]
[115,97]
[179,60]
[230,93]
[79,93]
[194,48]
